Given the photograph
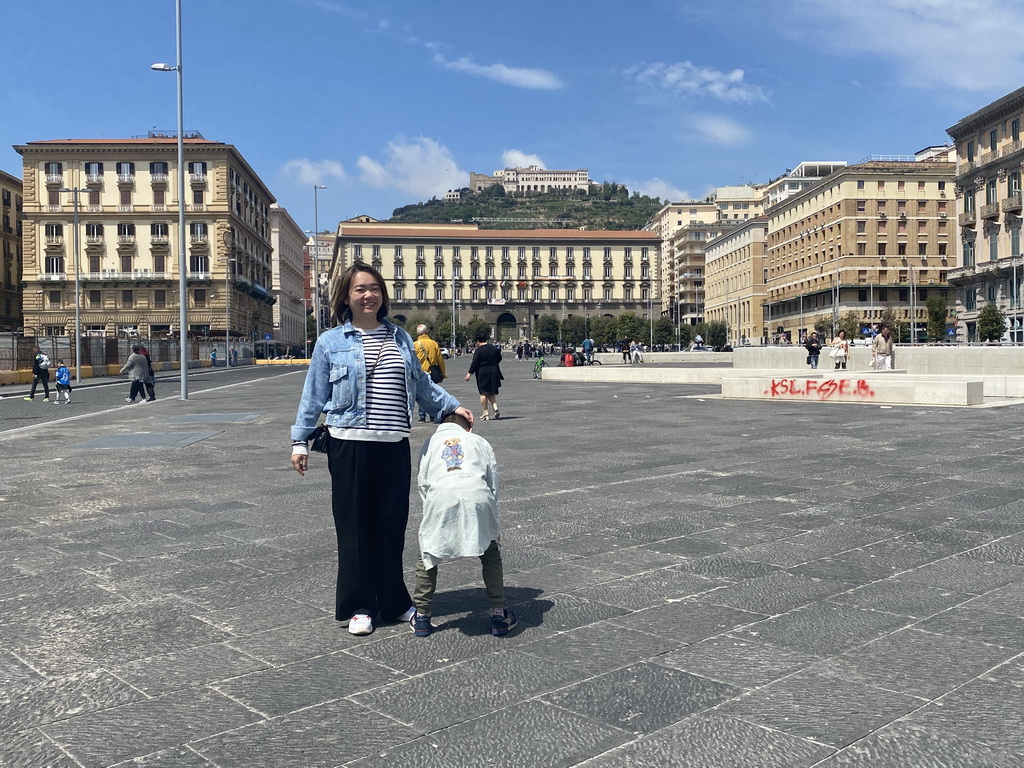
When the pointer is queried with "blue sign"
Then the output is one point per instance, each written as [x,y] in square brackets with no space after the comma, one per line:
[951,331]
[267,337]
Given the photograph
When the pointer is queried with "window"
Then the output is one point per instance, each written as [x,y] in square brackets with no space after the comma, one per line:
[969,152]
[990,292]
[1015,242]
[586,272]
[54,170]
[421,270]
[993,139]
[94,197]
[198,196]
[421,293]
[522,254]
[439,271]
[883,294]
[607,254]
[969,202]
[159,201]
[968,253]
[993,248]
[125,171]
[126,262]
[922,249]
[158,171]
[860,183]
[419,252]
[1013,183]
[862,226]
[399,292]
[399,270]
[94,299]
[1015,129]
[990,192]
[54,265]
[881,249]
[942,250]
[159,299]
[489,271]
[197,229]
[375,251]
[438,293]
[128,298]
[970,299]
[627,254]
[627,293]
[197,170]
[628,271]
[438,251]
[94,263]
[94,171]
[862,206]
[398,252]
[901,249]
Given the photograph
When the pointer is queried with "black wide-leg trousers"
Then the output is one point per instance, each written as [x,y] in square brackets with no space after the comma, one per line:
[370,501]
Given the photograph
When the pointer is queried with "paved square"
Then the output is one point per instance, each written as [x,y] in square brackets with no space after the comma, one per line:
[699,582]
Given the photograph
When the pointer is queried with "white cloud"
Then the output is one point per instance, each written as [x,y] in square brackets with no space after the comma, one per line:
[657,187]
[514,158]
[938,42]
[687,78]
[306,171]
[716,129]
[421,167]
[534,79]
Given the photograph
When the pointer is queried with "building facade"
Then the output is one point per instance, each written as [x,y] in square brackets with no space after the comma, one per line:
[289,312]
[532,180]
[507,277]
[873,236]
[10,242]
[990,160]
[734,280]
[128,239]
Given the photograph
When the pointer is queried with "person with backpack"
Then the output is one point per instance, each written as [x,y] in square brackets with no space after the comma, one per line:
[63,383]
[40,374]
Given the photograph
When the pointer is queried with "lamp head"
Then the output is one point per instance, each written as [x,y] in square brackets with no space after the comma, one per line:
[162,67]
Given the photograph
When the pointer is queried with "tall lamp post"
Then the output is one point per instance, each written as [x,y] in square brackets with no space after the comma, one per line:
[316,253]
[182,258]
[78,291]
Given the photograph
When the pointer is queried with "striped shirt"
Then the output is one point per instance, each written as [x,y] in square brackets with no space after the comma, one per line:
[387,408]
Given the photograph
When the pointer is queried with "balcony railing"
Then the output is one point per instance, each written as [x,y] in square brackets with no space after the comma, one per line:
[94,208]
[126,239]
[93,240]
[125,207]
[55,178]
[199,275]
[990,211]
[55,239]
[47,208]
[94,178]
[967,219]
[1012,203]
[196,207]
[126,178]
[199,239]
[965,167]
[113,274]
[159,239]
[1009,148]
[158,207]
[52,277]
[158,178]
[198,178]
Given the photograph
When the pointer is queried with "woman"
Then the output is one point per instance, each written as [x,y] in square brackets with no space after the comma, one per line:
[840,351]
[488,375]
[137,369]
[365,376]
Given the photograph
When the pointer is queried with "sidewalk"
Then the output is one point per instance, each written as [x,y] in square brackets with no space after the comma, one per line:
[699,583]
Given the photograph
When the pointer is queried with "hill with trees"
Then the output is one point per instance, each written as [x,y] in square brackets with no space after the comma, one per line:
[607,206]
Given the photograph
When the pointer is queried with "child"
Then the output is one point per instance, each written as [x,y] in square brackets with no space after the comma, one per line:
[63,383]
[458,481]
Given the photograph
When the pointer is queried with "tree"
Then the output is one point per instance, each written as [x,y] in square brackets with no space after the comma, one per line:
[823,327]
[718,334]
[546,328]
[572,330]
[937,312]
[602,330]
[629,325]
[889,318]
[476,325]
[850,322]
[685,335]
[664,331]
[991,323]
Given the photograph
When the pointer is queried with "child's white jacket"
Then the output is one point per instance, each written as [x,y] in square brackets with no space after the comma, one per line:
[458,482]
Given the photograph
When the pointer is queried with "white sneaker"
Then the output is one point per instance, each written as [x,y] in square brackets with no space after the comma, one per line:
[407,616]
[360,624]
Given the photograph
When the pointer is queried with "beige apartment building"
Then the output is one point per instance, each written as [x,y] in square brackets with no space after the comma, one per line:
[289,312]
[734,290]
[10,243]
[507,277]
[128,260]
[870,236]
[990,158]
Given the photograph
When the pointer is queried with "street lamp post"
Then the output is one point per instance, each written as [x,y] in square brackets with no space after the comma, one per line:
[182,258]
[78,291]
[316,253]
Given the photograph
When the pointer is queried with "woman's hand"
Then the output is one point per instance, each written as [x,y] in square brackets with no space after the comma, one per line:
[467,377]
[300,462]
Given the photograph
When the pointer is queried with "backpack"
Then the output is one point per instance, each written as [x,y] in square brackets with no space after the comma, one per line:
[43,362]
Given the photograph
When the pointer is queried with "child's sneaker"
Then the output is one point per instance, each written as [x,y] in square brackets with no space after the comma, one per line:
[502,625]
[360,624]
[421,626]
[407,616]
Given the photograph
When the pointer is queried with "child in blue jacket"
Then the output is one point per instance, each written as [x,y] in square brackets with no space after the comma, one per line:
[63,383]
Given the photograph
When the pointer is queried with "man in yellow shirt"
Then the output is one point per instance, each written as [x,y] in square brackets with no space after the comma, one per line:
[429,354]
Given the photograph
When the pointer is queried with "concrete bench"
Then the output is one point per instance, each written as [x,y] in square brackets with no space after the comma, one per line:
[881,389]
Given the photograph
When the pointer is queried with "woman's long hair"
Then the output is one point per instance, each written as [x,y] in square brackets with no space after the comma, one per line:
[340,308]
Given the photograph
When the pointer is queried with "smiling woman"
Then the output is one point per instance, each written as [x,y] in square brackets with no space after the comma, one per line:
[365,377]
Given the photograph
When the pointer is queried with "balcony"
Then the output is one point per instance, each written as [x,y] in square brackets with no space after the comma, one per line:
[55,178]
[197,178]
[1012,203]
[94,241]
[126,241]
[125,207]
[159,240]
[201,240]
[158,178]
[46,208]
[966,219]
[199,275]
[94,179]
[94,208]
[126,178]
[1009,148]
[990,211]
[55,241]
[53,277]
[158,207]
[195,207]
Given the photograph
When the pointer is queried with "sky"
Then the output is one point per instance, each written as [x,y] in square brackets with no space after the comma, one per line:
[388,103]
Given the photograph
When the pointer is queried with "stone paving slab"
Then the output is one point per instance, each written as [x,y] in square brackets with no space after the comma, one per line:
[698,583]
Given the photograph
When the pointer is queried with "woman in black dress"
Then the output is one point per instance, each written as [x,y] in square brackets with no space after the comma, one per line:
[488,374]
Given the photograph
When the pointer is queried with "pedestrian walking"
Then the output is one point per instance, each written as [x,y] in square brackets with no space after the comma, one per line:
[62,378]
[840,351]
[137,369]
[150,382]
[485,364]
[431,360]
[813,347]
[365,376]
[458,484]
[882,349]
[40,374]
[213,357]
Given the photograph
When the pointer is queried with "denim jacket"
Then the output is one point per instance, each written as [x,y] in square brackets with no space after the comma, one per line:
[336,381]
